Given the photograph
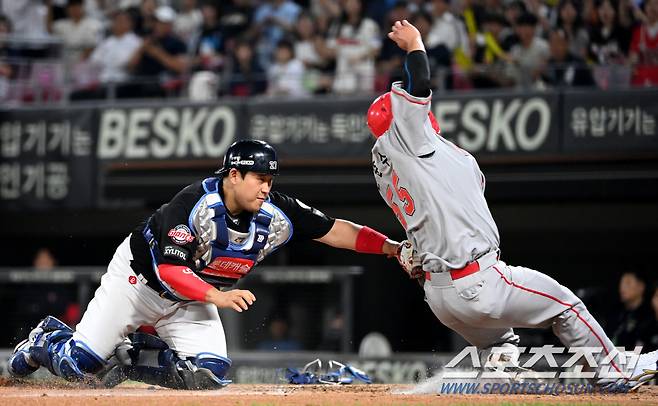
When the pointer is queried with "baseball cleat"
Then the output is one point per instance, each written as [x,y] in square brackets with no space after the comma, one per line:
[20,364]
[641,379]
[645,370]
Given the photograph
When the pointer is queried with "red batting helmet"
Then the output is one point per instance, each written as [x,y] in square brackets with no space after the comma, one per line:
[380,115]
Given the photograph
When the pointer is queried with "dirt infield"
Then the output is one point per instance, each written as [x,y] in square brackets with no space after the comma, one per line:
[59,393]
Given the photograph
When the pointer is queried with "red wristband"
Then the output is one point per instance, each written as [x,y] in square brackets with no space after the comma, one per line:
[369,241]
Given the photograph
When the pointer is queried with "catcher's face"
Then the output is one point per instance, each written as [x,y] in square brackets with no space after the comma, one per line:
[252,190]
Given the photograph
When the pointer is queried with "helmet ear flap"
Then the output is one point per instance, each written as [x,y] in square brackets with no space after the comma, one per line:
[380,115]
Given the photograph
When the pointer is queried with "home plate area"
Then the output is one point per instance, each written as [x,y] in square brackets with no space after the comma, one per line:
[57,392]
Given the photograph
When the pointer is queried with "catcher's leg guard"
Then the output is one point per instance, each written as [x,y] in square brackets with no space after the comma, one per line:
[21,362]
[73,359]
[149,359]
[217,365]
[50,344]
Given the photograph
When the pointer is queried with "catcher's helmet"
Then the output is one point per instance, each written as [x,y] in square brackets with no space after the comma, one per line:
[380,116]
[250,155]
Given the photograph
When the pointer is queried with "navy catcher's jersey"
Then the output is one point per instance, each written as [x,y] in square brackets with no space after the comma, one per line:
[195,230]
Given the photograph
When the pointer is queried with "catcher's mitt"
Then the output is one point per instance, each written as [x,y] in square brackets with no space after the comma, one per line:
[409,260]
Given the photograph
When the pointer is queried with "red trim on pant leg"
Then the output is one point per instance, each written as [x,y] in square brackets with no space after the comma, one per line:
[564,304]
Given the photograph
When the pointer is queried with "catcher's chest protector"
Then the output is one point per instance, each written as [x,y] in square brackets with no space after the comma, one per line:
[223,255]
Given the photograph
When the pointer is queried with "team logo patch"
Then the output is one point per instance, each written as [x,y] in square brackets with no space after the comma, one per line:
[181,234]
[132,279]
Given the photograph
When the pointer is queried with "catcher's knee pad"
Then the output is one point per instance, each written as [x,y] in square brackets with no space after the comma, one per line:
[74,359]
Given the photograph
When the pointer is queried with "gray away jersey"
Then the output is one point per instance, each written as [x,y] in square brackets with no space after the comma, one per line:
[435,188]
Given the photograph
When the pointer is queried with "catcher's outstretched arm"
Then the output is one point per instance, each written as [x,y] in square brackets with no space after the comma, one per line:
[347,235]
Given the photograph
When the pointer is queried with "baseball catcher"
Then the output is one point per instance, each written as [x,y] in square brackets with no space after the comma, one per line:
[175,269]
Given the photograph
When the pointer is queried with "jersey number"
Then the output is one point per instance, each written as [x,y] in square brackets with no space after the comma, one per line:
[404,197]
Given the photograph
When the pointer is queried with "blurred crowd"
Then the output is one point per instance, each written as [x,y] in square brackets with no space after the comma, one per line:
[636,323]
[27,304]
[202,49]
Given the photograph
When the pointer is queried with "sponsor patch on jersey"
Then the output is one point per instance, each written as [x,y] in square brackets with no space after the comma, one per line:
[132,279]
[172,251]
[181,234]
[229,267]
